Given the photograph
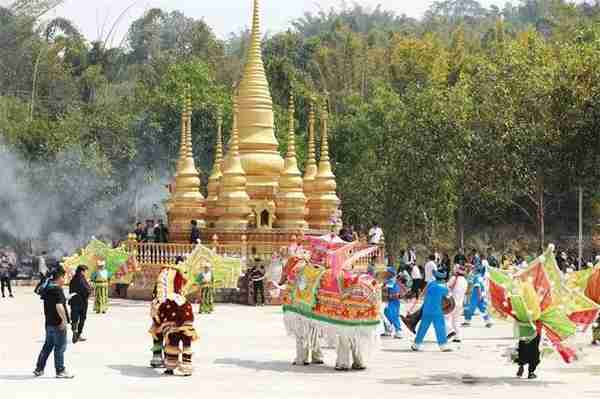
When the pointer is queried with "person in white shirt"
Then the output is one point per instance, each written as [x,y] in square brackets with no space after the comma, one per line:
[430,267]
[458,286]
[42,268]
[417,278]
[375,235]
[412,256]
[486,264]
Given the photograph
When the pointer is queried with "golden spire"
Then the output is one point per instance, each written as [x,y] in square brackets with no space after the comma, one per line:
[311,169]
[311,163]
[218,163]
[190,149]
[326,201]
[234,151]
[258,145]
[233,199]
[183,142]
[219,154]
[291,151]
[324,164]
[214,180]
[291,202]
[186,202]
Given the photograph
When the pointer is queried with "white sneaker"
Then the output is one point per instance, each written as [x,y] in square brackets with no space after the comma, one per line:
[416,348]
[444,348]
[398,335]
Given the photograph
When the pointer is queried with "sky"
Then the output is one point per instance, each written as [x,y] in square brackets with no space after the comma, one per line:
[96,17]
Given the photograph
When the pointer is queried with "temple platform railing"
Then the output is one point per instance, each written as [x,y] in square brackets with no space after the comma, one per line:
[156,255]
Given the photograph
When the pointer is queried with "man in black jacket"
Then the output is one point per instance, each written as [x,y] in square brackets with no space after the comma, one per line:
[161,233]
[57,318]
[79,288]
[257,276]
[195,234]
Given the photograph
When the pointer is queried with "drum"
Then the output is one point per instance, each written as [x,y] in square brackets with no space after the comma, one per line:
[448,305]
[411,320]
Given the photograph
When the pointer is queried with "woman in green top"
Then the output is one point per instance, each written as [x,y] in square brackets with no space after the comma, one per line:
[206,282]
[100,279]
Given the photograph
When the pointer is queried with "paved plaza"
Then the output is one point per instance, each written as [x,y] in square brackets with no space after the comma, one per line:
[243,352]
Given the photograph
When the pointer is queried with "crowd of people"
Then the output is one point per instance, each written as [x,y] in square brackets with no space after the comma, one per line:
[441,292]
[152,231]
[61,311]
[444,294]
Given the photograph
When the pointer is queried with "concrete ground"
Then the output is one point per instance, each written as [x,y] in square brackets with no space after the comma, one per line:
[243,352]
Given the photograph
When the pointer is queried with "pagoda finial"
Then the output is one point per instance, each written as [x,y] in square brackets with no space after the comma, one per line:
[183,140]
[312,160]
[188,102]
[311,168]
[254,70]
[291,151]
[256,39]
[219,151]
[324,135]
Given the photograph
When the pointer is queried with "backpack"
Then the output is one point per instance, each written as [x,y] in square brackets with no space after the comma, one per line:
[42,286]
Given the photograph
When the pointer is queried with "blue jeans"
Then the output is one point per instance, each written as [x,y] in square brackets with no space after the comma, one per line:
[56,339]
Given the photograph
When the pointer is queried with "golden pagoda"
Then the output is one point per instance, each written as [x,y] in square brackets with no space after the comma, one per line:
[233,198]
[258,146]
[291,201]
[254,196]
[214,181]
[186,202]
[311,169]
[325,202]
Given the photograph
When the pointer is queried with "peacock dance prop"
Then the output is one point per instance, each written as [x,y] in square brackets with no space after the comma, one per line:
[539,300]
[226,271]
[119,262]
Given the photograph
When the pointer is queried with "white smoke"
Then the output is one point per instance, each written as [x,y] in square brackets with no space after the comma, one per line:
[61,203]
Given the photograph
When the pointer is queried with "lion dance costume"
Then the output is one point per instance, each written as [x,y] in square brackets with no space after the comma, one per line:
[173,324]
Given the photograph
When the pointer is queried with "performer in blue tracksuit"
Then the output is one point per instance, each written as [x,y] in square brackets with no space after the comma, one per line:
[478,298]
[392,310]
[433,313]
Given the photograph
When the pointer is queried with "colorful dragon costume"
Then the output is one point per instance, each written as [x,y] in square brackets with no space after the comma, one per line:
[342,307]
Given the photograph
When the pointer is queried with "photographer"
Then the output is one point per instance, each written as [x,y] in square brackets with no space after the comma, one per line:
[57,318]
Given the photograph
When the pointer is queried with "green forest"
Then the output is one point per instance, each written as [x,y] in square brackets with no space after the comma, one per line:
[473,122]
